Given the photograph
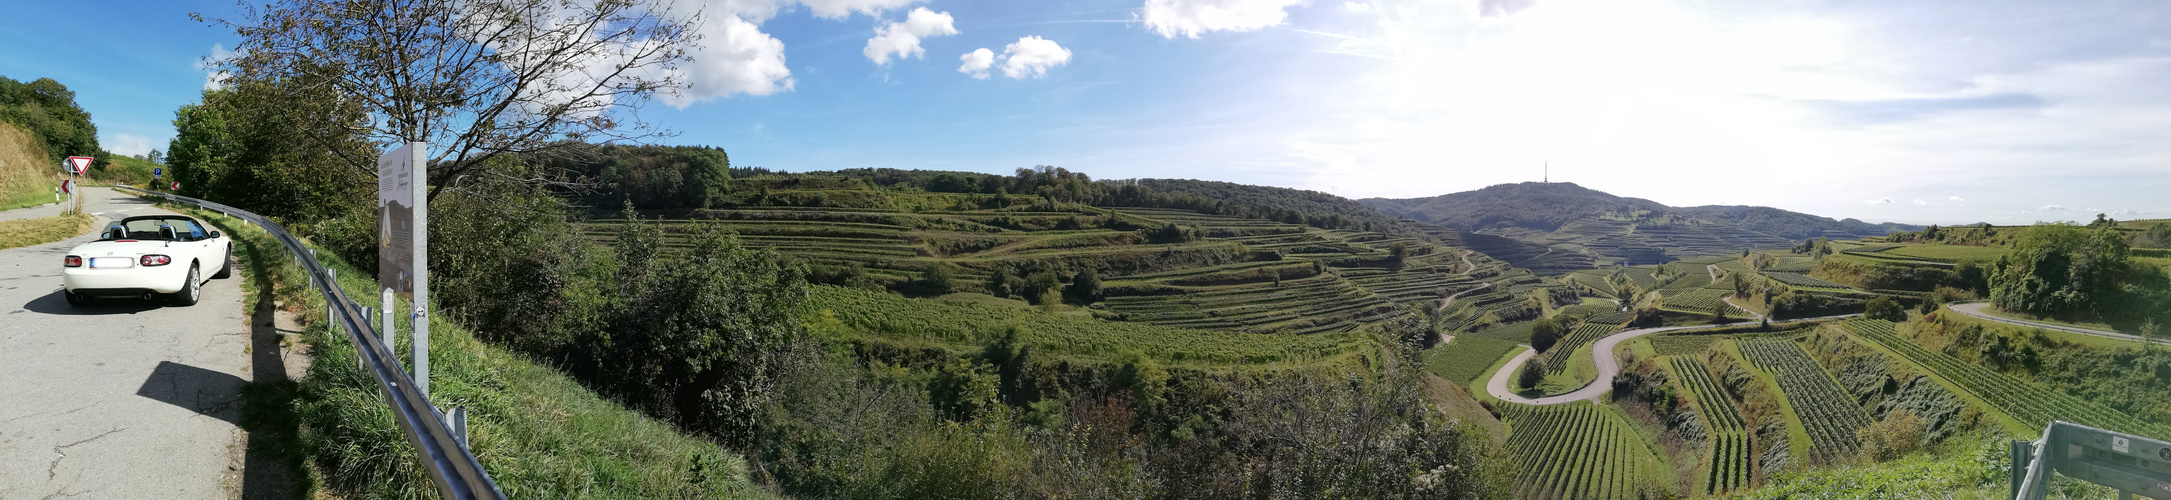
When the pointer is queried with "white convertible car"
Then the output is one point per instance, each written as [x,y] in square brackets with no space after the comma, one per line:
[148,256]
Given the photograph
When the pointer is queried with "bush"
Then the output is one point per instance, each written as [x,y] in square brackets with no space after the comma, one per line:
[1884,308]
[1898,435]
[1533,373]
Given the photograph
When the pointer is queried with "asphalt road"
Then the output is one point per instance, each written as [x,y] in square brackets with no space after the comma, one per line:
[121,399]
[1975,309]
[1602,355]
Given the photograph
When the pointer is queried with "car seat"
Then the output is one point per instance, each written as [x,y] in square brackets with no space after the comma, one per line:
[167,232]
[115,233]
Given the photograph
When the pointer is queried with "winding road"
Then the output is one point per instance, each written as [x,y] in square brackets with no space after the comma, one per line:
[1602,355]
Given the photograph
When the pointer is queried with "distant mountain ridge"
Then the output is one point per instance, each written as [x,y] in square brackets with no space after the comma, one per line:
[1546,206]
[1562,225]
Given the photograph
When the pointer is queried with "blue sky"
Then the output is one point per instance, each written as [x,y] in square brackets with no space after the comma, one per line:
[1923,112]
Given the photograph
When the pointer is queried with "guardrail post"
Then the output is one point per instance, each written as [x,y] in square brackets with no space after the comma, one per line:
[457,421]
[388,335]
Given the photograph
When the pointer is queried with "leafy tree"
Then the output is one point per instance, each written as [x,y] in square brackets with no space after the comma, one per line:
[1544,333]
[2157,236]
[999,283]
[1086,287]
[46,109]
[1397,252]
[1532,373]
[1718,312]
[936,279]
[2058,269]
[1884,308]
[475,79]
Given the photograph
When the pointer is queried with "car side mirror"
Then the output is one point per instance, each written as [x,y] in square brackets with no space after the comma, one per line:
[214,235]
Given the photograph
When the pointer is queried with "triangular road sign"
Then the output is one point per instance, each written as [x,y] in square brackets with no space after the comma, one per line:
[80,164]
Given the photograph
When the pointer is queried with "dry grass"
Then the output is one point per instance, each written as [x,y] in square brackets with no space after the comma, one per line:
[25,179]
[26,232]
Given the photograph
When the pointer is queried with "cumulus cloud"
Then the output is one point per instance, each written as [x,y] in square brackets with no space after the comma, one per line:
[1918,201]
[2050,208]
[1496,8]
[1358,7]
[977,63]
[1880,201]
[1953,199]
[1031,57]
[1192,17]
[903,39]
[126,144]
[735,58]
[215,79]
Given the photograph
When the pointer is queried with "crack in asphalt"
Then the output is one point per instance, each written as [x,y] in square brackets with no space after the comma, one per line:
[52,470]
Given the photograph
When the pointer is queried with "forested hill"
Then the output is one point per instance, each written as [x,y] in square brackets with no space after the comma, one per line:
[1544,206]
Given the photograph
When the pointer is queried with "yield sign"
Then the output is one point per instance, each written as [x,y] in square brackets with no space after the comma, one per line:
[79,164]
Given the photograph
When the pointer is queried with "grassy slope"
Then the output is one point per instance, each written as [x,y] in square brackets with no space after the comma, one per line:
[26,232]
[25,178]
[1460,359]
[537,432]
[125,170]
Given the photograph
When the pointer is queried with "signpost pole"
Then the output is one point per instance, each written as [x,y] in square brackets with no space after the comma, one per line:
[421,325]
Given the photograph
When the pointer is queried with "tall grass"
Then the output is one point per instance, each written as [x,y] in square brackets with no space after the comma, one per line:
[25,178]
[538,433]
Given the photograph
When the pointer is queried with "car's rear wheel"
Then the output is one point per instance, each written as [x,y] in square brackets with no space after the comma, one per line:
[191,291]
[226,265]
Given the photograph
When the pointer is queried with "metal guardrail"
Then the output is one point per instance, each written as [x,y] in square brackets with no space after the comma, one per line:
[2131,464]
[440,442]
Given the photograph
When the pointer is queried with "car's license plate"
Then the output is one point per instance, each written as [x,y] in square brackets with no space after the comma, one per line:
[112,262]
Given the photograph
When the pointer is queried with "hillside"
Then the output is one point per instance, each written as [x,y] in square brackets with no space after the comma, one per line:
[23,180]
[1559,227]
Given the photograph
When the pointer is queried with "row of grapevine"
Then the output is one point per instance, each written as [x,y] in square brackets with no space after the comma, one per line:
[1575,450]
[1729,442]
[1825,409]
[1683,344]
[1698,300]
[2032,404]
[1556,358]
[1793,279]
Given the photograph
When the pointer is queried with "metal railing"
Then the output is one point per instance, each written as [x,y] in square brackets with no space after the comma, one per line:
[2131,464]
[440,441]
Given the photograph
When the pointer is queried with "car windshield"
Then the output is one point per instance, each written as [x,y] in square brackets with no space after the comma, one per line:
[149,229]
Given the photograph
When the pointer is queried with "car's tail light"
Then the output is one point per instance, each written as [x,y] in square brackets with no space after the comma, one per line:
[74,261]
[156,260]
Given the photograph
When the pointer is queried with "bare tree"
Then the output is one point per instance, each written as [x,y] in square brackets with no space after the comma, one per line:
[479,80]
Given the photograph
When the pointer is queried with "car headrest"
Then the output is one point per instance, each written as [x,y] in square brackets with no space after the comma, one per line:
[167,232]
[116,233]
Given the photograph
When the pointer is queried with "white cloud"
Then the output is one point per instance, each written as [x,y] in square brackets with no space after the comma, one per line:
[1031,57]
[903,39]
[1954,199]
[1358,7]
[2048,208]
[215,79]
[977,63]
[1192,17]
[1879,201]
[126,144]
[1918,201]
[735,58]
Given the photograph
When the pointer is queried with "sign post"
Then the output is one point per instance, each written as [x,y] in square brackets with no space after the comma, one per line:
[75,165]
[402,245]
[155,174]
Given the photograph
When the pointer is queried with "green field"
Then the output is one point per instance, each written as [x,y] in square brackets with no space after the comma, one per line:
[2032,404]
[1728,458]
[1824,408]
[1464,359]
[1579,450]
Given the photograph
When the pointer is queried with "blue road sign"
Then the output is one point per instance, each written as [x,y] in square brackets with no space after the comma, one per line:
[158,172]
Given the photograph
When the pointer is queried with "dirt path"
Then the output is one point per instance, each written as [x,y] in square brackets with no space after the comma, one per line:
[1451,298]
